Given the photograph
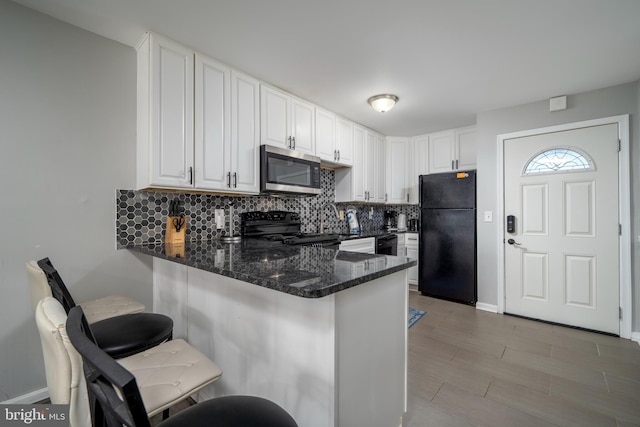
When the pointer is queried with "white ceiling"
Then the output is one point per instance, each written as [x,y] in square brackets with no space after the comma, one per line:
[445,59]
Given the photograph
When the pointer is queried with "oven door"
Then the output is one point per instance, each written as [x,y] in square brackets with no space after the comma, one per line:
[387,244]
[288,171]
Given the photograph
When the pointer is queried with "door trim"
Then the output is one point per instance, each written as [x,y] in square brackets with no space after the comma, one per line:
[624,208]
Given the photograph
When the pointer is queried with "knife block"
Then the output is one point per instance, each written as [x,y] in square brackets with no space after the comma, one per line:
[172,236]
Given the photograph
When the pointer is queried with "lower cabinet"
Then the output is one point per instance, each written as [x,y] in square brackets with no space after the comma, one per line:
[411,242]
[367,245]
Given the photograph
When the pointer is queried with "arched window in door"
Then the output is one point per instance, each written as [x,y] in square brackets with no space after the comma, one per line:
[558,160]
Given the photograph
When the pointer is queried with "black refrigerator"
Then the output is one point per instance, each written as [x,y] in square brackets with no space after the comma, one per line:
[447,251]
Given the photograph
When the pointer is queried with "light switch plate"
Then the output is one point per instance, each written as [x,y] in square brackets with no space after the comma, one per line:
[488,216]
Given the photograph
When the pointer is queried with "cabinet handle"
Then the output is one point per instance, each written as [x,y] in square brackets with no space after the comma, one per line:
[456,164]
[407,197]
[289,142]
[335,154]
[451,164]
[385,197]
[235,180]
[191,175]
[338,154]
[294,142]
[228,179]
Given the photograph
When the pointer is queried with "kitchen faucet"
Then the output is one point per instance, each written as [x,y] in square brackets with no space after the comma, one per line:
[322,209]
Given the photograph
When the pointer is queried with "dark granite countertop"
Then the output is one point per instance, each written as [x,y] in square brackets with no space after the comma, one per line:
[303,271]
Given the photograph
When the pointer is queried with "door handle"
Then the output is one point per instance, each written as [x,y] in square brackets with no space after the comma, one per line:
[513,242]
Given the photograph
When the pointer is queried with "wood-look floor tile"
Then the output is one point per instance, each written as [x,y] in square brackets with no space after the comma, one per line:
[480,410]
[465,340]
[422,385]
[455,373]
[617,405]
[623,385]
[427,415]
[505,370]
[541,405]
[571,371]
[427,346]
[621,351]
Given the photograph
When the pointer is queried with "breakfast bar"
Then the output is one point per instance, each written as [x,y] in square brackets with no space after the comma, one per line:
[319,331]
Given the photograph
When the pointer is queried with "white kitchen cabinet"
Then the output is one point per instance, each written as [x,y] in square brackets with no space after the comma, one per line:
[226,129]
[411,243]
[334,138]
[165,114]
[398,167]
[286,121]
[365,180]
[198,121]
[366,245]
[452,150]
[379,192]
[351,182]
[419,164]
[344,141]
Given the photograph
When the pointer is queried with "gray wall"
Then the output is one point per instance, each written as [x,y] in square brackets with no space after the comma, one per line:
[613,101]
[67,133]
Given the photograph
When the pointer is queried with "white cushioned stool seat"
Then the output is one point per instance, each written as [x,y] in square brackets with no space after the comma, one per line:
[166,374]
[95,310]
[169,372]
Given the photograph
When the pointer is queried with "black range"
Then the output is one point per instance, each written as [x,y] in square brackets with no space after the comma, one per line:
[283,227]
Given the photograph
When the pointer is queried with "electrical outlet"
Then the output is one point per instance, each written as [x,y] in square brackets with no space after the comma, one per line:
[341,215]
[219,218]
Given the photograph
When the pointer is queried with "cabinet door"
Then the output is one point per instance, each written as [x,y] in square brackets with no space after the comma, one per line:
[397,165]
[171,113]
[344,141]
[420,157]
[379,168]
[326,135]
[245,133]
[441,152]
[412,253]
[212,124]
[370,166]
[274,111]
[359,169]
[466,142]
[302,126]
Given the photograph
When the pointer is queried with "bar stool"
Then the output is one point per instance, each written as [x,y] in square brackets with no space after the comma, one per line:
[115,398]
[118,336]
[167,373]
[95,310]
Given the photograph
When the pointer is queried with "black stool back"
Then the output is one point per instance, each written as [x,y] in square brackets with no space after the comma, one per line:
[58,288]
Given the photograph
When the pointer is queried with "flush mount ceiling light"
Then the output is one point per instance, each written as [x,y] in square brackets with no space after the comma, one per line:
[383,102]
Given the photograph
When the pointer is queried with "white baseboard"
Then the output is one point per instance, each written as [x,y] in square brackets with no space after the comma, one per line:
[635,336]
[486,307]
[29,398]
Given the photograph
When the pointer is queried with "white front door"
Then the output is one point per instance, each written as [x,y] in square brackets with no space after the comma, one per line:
[561,259]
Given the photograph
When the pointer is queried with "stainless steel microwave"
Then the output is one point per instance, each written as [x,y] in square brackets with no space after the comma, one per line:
[288,171]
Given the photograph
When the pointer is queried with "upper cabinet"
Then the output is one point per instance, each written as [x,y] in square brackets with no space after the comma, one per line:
[398,170]
[334,138]
[452,150]
[198,121]
[226,128]
[165,114]
[286,121]
[365,180]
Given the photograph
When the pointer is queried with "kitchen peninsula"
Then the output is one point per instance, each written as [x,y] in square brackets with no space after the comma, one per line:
[319,331]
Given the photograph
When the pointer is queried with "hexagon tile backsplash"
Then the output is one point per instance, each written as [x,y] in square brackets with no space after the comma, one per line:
[141,215]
